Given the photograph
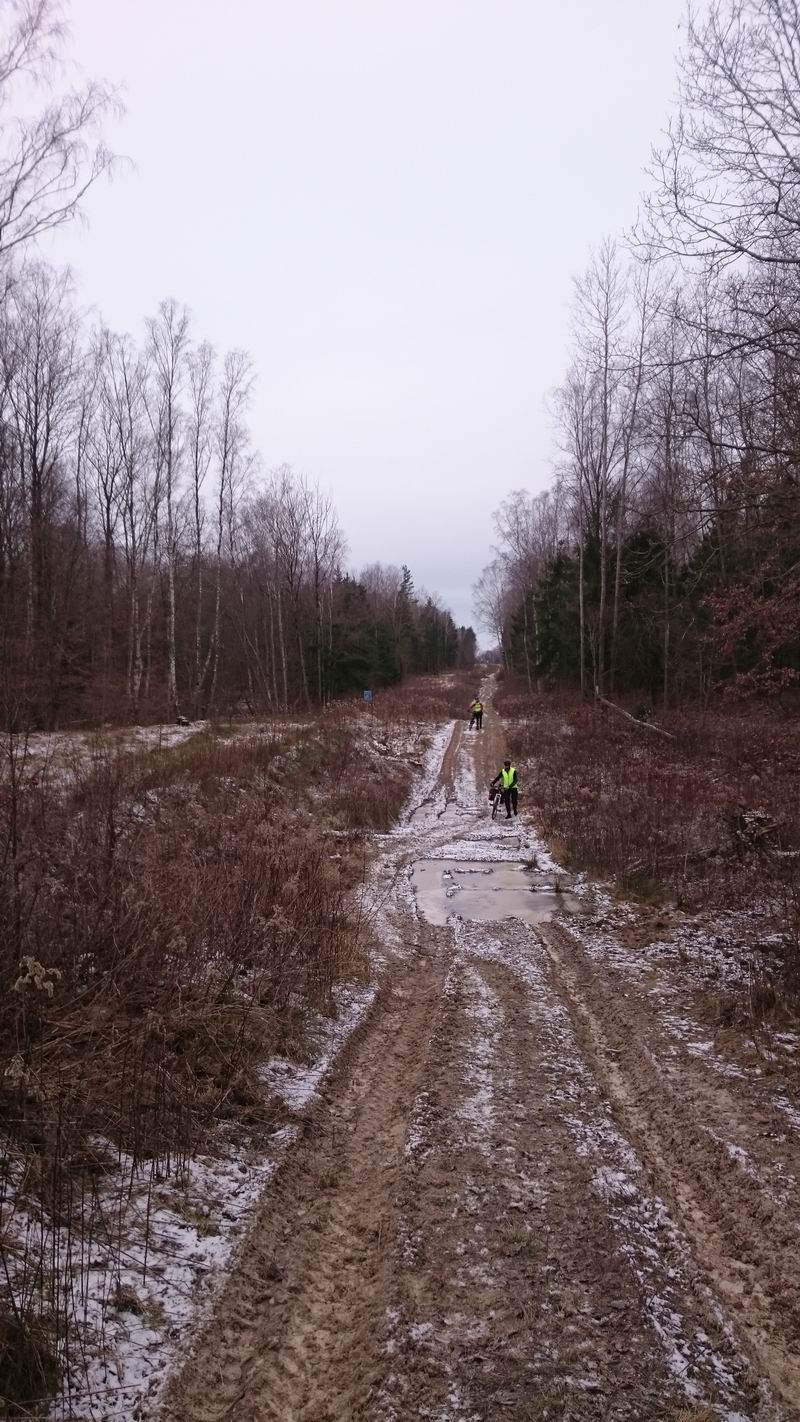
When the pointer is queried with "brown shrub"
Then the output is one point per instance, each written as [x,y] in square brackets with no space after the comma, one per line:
[427,698]
[711,818]
[28,1366]
[165,921]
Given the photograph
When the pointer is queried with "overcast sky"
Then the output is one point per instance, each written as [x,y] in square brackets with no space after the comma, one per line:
[384,202]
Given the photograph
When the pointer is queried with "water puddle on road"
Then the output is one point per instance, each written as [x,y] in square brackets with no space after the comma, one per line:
[486,893]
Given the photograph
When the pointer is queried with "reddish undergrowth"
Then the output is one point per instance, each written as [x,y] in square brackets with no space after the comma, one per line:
[167,919]
[710,820]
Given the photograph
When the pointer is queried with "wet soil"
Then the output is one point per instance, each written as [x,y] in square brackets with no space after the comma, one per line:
[521,1196]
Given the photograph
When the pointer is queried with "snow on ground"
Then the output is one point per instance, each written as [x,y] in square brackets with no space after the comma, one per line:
[783,1193]
[179,1239]
[79,747]
[179,1235]
[676,957]
[161,737]
[58,758]
[648,1236]
[788,1110]
[466,786]
[477,1110]
[427,800]
[644,1226]
[173,1239]
[61,755]
[497,841]
[296,1083]
[719,955]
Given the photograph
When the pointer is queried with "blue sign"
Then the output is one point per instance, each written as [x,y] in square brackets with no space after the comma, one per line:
[367,695]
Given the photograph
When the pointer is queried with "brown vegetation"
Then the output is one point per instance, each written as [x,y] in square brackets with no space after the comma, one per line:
[428,698]
[167,918]
[710,819]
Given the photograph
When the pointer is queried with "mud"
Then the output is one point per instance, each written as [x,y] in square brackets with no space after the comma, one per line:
[521,1196]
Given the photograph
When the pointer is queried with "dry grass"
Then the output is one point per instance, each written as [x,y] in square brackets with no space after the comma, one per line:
[28,1364]
[426,698]
[709,820]
[166,920]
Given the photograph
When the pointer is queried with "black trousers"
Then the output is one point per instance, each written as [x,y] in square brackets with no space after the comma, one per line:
[479,718]
[510,798]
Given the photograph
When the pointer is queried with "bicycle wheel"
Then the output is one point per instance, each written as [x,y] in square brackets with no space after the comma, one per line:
[495,803]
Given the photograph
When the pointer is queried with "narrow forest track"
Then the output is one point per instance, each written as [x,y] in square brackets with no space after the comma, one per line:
[515,1199]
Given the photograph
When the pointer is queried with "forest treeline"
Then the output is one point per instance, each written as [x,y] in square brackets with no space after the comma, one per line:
[665,558]
[148,567]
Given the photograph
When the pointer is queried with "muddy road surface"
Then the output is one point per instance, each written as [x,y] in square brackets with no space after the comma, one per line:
[521,1196]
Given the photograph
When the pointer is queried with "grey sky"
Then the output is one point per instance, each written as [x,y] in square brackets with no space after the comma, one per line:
[383,201]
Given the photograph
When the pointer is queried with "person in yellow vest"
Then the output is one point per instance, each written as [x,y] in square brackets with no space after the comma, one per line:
[476,713]
[507,778]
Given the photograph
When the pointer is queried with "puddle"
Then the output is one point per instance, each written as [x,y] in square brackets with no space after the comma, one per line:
[487,892]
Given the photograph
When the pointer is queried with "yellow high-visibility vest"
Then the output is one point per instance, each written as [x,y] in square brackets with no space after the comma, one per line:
[508,777]
[478,706]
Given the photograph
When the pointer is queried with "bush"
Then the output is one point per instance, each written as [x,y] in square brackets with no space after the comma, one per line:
[165,920]
[28,1366]
[711,818]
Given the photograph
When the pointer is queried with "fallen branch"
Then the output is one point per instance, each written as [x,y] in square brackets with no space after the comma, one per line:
[668,861]
[646,725]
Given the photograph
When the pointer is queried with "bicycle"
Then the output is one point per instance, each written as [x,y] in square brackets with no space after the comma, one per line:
[495,799]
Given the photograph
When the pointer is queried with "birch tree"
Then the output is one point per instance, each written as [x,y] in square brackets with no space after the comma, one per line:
[168,340]
[50,159]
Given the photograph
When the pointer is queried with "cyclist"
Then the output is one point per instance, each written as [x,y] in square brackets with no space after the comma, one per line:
[476,713]
[507,779]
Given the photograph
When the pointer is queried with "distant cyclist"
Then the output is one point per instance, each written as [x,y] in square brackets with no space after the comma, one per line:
[476,714]
[507,779]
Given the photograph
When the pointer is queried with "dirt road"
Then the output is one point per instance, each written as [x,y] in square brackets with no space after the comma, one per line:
[523,1196]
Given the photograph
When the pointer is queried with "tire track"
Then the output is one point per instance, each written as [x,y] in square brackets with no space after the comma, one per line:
[745,1242]
[298,1331]
[622,1286]
[463,1231]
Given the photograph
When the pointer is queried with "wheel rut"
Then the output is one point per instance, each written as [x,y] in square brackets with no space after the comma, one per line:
[743,1237]
[501,1207]
[512,1298]
[298,1331]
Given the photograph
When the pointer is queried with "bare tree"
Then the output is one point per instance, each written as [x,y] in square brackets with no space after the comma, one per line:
[291,553]
[39,369]
[168,344]
[528,528]
[575,406]
[231,440]
[104,458]
[490,599]
[727,180]
[138,499]
[645,297]
[599,316]
[47,162]
[200,443]
[326,548]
